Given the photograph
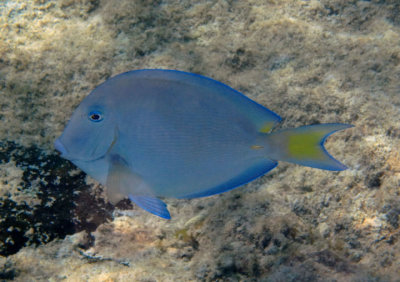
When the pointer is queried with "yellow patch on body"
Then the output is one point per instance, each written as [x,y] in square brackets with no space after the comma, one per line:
[267,127]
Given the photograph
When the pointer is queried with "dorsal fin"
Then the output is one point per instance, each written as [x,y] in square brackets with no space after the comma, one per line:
[263,118]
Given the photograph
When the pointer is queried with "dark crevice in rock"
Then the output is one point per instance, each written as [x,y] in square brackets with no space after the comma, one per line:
[65,203]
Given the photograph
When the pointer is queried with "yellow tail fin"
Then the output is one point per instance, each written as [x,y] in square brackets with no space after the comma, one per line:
[305,145]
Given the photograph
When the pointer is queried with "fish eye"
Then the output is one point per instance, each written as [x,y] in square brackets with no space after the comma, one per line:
[95,116]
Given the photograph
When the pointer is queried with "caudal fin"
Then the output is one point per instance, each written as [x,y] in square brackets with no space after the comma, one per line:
[305,145]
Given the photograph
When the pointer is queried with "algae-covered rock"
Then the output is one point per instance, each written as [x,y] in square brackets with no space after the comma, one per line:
[50,200]
[309,61]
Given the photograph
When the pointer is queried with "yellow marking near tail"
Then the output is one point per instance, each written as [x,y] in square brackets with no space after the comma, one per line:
[256,147]
[306,145]
[267,127]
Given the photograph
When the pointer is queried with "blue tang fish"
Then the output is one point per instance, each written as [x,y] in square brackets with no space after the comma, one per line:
[147,134]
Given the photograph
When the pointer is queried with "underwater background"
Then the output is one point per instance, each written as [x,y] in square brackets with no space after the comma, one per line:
[308,61]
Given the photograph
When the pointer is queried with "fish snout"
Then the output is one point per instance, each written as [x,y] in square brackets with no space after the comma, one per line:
[60,147]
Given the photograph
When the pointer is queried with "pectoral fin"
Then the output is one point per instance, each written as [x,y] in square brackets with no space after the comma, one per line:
[123,182]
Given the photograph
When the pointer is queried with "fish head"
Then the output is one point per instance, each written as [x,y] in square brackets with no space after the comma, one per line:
[91,131]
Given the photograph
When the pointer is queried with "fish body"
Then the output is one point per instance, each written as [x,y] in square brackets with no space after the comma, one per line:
[147,134]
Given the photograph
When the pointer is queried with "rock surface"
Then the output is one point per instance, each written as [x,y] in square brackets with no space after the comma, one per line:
[309,61]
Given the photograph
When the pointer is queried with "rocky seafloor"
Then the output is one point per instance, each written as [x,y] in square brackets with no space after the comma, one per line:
[309,61]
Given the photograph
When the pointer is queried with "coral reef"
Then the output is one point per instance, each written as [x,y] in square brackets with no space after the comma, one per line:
[309,61]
